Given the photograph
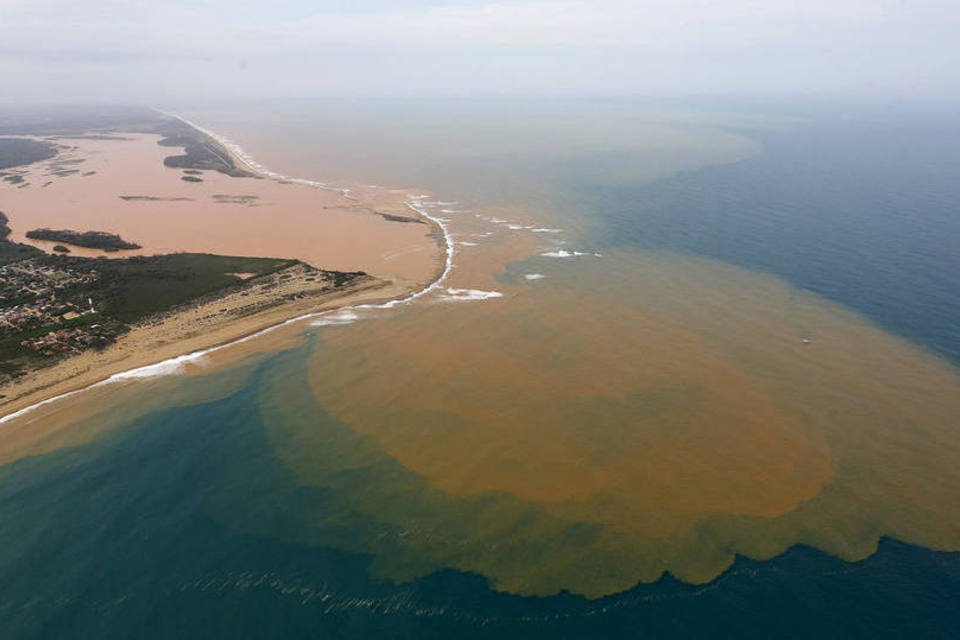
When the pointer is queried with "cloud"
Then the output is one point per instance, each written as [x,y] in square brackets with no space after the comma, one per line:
[609,44]
[210,27]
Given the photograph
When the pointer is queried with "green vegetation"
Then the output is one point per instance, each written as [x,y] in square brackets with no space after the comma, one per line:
[191,179]
[57,305]
[16,152]
[394,218]
[88,239]
[13,251]
[200,151]
[136,287]
[61,249]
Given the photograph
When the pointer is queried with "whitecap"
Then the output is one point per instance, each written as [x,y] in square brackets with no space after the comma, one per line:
[336,318]
[534,276]
[471,294]
[164,368]
[563,253]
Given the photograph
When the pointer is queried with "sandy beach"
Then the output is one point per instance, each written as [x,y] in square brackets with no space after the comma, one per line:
[121,186]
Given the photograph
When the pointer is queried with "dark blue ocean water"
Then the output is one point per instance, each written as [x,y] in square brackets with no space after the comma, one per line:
[116,539]
[128,537]
[866,214]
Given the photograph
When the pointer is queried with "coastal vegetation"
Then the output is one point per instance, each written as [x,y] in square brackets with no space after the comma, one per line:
[201,152]
[389,217]
[13,251]
[140,286]
[54,306]
[88,239]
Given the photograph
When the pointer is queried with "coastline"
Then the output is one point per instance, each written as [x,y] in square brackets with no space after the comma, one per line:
[125,359]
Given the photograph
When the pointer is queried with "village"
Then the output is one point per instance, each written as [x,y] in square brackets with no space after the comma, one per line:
[43,303]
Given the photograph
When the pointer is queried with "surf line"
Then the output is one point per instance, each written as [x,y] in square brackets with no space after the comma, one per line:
[416,203]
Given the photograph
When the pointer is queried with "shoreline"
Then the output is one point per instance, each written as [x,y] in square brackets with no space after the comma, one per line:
[262,322]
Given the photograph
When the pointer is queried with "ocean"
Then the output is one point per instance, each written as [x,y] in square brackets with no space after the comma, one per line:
[693,373]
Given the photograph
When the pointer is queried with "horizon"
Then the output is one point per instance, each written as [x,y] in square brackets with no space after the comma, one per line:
[177,52]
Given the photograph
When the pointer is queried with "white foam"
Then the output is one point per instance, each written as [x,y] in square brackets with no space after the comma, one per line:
[534,276]
[466,243]
[546,230]
[471,294]
[165,368]
[336,318]
[563,253]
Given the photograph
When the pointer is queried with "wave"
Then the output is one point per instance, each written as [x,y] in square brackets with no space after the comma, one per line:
[336,318]
[416,203]
[471,294]
[534,276]
[563,253]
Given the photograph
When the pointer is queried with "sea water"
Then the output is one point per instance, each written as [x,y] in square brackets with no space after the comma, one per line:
[693,373]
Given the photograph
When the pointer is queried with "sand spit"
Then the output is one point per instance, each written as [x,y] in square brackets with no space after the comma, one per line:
[176,338]
[313,222]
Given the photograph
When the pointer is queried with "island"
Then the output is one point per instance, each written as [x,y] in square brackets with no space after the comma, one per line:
[88,239]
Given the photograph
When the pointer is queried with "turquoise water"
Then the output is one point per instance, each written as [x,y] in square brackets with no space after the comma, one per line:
[192,521]
[130,538]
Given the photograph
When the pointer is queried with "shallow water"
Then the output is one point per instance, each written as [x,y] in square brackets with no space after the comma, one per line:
[706,369]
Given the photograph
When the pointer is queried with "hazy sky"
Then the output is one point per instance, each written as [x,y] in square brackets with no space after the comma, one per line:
[168,50]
